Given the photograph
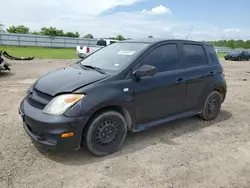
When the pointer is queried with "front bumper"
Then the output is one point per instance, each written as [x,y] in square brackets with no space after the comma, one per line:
[46,130]
[81,55]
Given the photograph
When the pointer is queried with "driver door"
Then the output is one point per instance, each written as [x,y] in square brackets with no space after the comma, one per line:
[163,94]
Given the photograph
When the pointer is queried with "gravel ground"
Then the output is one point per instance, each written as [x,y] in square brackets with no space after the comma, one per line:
[185,153]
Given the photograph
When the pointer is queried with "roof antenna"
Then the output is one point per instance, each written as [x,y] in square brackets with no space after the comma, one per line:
[189,31]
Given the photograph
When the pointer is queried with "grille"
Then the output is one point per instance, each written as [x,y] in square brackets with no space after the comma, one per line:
[38,99]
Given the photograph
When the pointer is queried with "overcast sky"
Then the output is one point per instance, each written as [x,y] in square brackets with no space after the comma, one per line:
[211,19]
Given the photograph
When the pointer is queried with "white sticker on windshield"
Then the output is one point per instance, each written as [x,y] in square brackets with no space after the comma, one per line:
[126,52]
[117,64]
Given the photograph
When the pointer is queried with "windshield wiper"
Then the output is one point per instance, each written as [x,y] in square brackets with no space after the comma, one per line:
[94,68]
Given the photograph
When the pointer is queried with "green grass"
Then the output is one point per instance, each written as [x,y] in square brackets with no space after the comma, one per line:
[41,53]
[221,54]
[48,53]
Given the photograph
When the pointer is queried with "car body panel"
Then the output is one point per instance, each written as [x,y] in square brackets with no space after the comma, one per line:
[67,79]
[165,93]
[46,129]
[144,102]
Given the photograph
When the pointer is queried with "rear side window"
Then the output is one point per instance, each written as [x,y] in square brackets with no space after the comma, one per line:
[102,43]
[212,55]
[111,42]
[194,55]
[164,58]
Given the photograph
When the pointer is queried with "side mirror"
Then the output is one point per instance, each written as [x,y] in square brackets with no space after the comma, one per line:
[145,70]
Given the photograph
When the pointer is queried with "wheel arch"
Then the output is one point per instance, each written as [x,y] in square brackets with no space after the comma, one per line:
[118,108]
[222,90]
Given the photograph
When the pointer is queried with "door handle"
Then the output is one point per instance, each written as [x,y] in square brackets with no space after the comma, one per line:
[211,73]
[179,80]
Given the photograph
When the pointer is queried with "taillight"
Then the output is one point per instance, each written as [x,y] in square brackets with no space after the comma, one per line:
[87,49]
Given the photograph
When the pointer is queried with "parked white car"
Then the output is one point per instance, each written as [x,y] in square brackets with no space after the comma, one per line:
[84,51]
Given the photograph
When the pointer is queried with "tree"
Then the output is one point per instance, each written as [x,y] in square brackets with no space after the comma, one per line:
[70,34]
[150,36]
[77,34]
[1,28]
[90,36]
[20,29]
[247,44]
[51,31]
[35,33]
[230,44]
[119,37]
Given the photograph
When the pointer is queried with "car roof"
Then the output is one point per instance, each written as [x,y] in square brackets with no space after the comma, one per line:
[158,40]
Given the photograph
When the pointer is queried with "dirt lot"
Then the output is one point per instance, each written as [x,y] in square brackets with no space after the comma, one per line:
[185,153]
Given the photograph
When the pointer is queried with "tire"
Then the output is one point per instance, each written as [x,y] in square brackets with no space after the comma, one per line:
[212,106]
[105,133]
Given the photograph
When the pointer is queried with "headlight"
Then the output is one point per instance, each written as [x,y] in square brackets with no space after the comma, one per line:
[61,103]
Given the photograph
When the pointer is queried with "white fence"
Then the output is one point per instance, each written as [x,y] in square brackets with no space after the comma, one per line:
[9,39]
[227,50]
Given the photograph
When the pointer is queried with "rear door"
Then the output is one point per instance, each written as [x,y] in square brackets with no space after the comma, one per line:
[163,94]
[244,55]
[198,74]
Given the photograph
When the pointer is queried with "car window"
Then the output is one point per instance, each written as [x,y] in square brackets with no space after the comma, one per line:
[234,53]
[212,56]
[164,58]
[102,43]
[116,56]
[194,55]
[111,42]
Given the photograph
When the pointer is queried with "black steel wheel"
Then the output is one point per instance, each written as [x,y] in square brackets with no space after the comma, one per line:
[106,133]
[212,106]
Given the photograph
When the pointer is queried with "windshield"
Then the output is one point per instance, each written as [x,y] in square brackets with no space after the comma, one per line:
[114,57]
[235,52]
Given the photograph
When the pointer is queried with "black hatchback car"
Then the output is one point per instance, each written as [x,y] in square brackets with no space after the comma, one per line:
[238,55]
[128,86]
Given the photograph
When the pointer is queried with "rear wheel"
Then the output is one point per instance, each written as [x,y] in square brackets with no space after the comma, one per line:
[106,133]
[212,106]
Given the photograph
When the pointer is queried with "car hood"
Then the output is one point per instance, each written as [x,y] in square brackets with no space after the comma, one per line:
[67,79]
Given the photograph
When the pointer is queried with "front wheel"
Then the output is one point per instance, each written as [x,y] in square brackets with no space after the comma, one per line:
[106,133]
[212,106]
